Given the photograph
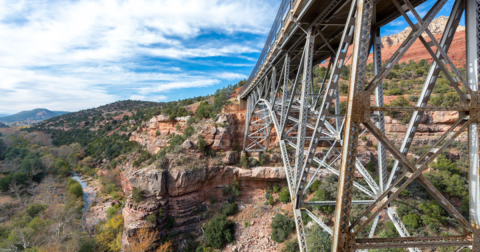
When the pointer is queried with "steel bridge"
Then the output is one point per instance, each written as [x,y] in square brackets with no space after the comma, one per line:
[280,96]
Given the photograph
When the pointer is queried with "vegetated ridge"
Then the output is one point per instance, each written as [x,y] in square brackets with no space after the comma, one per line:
[34,115]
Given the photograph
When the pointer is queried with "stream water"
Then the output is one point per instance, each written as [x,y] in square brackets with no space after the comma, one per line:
[86,196]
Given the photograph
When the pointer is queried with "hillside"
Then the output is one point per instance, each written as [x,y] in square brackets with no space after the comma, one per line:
[3,125]
[417,51]
[34,115]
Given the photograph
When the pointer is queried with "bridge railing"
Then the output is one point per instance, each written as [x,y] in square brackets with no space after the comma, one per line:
[282,13]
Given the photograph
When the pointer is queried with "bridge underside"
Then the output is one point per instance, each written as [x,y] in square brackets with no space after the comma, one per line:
[318,138]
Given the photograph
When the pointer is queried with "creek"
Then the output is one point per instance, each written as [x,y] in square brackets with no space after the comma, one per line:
[87,197]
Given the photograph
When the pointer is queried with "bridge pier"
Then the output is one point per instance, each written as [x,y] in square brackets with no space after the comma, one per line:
[242,103]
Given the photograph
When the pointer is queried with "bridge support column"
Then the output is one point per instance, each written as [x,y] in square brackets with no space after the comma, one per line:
[343,240]
[472,12]
[242,103]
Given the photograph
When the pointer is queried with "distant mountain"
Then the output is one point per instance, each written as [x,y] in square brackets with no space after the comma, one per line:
[39,114]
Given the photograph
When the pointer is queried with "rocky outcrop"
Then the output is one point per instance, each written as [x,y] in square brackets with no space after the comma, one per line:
[150,179]
[181,194]
[436,27]
[223,134]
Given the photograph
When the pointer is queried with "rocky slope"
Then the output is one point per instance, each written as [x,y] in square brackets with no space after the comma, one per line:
[417,51]
[184,195]
[436,27]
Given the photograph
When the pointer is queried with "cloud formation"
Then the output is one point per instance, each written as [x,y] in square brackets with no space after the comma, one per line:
[71,55]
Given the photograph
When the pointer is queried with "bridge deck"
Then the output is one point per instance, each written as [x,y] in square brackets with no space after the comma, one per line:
[329,16]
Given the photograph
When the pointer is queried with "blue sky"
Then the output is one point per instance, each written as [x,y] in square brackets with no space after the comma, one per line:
[72,55]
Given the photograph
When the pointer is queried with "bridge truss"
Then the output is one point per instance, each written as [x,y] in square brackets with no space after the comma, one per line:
[281,96]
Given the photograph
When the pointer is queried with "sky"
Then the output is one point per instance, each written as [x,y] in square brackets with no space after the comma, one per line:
[68,55]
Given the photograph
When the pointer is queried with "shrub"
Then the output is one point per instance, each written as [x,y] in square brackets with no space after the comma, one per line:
[262,160]
[190,121]
[411,220]
[151,218]
[266,195]
[318,240]
[323,195]
[111,211]
[233,189]
[176,140]
[413,98]
[157,133]
[370,166]
[291,246]
[253,162]
[276,188]
[364,138]
[271,200]
[188,132]
[219,232]
[204,110]
[282,226]
[138,195]
[313,187]
[76,189]
[201,144]
[33,210]
[284,195]
[244,161]
[230,209]
[433,214]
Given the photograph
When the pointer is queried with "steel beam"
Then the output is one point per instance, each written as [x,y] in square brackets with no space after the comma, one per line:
[342,237]
[472,13]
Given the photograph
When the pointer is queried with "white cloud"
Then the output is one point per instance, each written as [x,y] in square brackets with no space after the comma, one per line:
[84,50]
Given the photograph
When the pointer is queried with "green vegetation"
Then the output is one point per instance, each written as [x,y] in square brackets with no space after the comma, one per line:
[230,209]
[282,226]
[76,189]
[138,195]
[188,132]
[291,246]
[271,200]
[219,232]
[284,195]
[232,190]
[318,240]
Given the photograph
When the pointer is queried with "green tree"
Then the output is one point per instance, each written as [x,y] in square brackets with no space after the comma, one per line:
[284,195]
[204,110]
[271,200]
[282,226]
[188,132]
[219,232]
[20,178]
[318,240]
[201,144]
[76,189]
[230,209]
[411,220]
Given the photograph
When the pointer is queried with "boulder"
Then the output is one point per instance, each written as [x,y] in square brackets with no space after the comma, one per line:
[445,117]
[230,158]
[187,145]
